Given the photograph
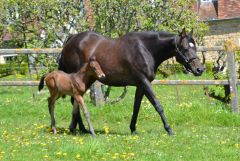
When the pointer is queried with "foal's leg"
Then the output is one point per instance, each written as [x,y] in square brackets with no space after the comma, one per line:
[76,118]
[80,100]
[158,107]
[137,102]
[51,102]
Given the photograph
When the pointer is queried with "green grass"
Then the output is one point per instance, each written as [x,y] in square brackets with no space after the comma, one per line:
[205,129]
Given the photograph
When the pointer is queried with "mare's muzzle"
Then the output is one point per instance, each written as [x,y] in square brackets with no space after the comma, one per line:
[194,66]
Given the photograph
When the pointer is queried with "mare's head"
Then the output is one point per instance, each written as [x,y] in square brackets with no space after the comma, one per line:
[96,69]
[186,53]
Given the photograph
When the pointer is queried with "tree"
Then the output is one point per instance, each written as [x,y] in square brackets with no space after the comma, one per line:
[40,24]
[117,17]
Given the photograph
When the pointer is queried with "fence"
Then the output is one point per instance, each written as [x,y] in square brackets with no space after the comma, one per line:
[232,81]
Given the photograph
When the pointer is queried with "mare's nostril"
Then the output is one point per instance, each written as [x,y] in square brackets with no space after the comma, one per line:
[200,70]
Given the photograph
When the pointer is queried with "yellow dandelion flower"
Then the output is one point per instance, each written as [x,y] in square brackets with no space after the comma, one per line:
[59,153]
[75,138]
[123,155]
[131,154]
[237,145]
[64,154]
[45,156]
[106,129]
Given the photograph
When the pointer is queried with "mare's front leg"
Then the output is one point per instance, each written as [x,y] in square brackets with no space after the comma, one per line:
[76,118]
[137,102]
[51,102]
[80,101]
[158,107]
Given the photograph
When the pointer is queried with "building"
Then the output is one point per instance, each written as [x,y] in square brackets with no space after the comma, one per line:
[223,18]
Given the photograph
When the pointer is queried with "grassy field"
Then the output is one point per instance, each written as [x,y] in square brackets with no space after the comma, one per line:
[205,129]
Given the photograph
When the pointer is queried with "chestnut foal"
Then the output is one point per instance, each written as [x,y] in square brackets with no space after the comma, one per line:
[60,83]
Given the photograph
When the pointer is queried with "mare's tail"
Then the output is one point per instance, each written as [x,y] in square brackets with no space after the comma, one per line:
[41,83]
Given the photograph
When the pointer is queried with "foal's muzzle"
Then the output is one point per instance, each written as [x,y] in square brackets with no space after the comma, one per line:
[101,76]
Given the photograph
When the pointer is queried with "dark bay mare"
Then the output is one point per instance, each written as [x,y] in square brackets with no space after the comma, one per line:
[131,60]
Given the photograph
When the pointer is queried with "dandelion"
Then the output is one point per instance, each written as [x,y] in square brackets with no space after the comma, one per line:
[103,158]
[43,144]
[123,155]
[237,146]
[131,154]
[45,156]
[78,156]
[106,129]
[80,141]
[64,154]
[59,153]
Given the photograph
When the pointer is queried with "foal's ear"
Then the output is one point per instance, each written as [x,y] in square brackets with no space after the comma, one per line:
[191,32]
[92,58]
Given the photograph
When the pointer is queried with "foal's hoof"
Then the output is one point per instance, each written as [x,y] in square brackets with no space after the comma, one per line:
[54,131]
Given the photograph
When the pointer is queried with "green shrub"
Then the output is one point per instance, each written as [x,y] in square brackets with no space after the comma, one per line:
[13,68]
[169,69]
[208,66]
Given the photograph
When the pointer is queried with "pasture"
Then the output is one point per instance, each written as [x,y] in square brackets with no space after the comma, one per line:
[205,129]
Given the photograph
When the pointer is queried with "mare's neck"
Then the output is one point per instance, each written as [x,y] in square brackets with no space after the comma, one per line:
[166,49]
[162,47]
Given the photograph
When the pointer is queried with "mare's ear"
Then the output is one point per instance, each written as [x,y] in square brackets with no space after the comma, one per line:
[183,33]
[191,32]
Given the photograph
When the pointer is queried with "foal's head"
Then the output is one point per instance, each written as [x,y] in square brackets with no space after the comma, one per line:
[186,53]
[95,68]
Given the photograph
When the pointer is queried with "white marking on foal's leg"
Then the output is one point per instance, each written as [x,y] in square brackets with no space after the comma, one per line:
[54,130]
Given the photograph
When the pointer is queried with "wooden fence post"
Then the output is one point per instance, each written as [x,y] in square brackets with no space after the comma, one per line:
[96,94]
[232,76]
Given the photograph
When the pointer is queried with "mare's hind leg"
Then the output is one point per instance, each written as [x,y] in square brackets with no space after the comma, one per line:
[80,101]
[158,107]
[51,102]
[76,118]
[137,102]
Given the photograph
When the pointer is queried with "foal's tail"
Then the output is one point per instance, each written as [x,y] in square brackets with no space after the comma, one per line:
[41,83]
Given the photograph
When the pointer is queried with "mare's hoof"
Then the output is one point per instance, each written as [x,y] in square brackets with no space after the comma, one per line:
[134,133]
[170,132]
[83,130]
